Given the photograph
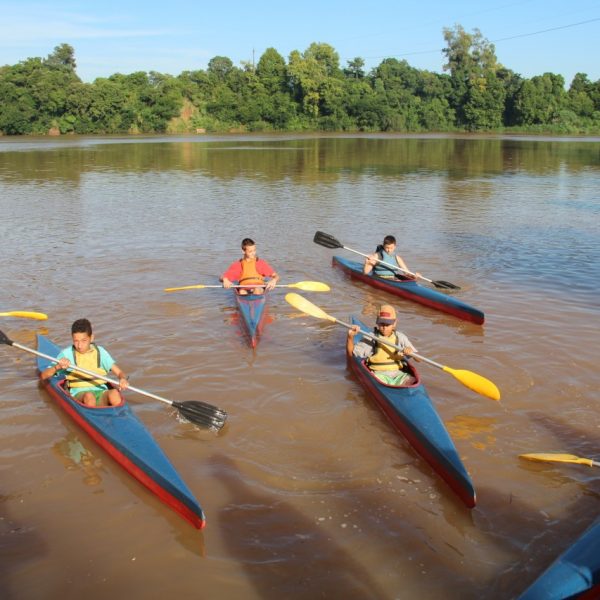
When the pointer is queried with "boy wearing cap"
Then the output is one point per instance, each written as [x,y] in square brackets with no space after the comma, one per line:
[384,361]
[385,253]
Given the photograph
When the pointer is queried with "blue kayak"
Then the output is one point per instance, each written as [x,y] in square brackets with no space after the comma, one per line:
[411,411]
[123,436]
[574,574]
[252,308]
[411,290]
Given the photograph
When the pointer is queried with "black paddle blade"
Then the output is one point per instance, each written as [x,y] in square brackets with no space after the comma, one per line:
[202,414]
[446,285]
[4,339]
[324,239]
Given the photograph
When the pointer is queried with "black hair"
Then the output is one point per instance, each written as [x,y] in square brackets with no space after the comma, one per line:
[81,326]
[389,239]
[247,242]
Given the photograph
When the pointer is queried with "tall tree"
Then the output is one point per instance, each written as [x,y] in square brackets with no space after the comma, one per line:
[63,56]
[477,94]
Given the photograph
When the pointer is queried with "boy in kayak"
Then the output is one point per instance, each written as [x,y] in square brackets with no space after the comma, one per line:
[87,355]
[250,270]
[384,361]
[386,253]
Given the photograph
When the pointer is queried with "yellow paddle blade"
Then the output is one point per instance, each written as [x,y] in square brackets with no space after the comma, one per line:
[186,287]
[309,286]
[24,314]
[475,382]
[568,458]
[303,305]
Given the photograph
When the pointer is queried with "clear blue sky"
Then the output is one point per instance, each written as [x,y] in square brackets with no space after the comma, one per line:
[177,35]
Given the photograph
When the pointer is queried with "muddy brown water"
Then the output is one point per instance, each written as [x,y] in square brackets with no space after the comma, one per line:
[308,491]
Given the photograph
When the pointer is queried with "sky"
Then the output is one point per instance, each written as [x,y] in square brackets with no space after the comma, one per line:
[531,37]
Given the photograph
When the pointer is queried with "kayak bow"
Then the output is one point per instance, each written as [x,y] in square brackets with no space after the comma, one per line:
[124,437]
[252,308]
[412,413]
[574,574]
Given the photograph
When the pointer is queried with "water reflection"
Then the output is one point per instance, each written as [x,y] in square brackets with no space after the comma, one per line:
[103,225]
[74,455]
[302,159]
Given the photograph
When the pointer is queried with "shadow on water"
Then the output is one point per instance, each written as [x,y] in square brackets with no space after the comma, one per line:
[283,553]
[540,538]
[77,451]
[530,536]
[570,439]
[20,545]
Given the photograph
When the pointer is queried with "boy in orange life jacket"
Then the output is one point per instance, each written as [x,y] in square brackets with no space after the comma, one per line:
[250,270]
[85,354]
[384,361]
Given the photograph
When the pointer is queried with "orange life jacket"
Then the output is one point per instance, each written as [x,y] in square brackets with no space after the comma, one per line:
[249,274]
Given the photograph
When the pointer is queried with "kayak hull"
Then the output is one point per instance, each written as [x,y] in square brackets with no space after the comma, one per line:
[574,574]
[123,436]
[412,413]
[252,308]
[411,290]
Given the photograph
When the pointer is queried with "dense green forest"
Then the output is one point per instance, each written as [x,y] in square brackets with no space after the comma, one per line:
[309,92]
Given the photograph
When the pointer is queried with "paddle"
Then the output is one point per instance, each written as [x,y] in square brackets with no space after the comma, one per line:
[567,458]
[306,286]
[197,412]
[328,241]
[24,314]
[473,381]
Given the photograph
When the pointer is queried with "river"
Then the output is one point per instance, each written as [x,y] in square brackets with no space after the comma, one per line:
[309,492]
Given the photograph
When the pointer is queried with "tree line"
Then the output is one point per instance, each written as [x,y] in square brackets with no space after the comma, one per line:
[309,92]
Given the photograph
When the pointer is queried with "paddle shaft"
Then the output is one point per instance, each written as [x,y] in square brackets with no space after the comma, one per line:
[91,373]
[309,286]
[379,340]
[391,267]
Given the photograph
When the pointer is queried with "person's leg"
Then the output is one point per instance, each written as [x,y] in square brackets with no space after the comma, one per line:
[112,397]
[86,398]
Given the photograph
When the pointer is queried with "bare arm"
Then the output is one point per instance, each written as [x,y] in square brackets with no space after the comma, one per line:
[369,264]
[272,282]
[63,363]
[350,339]
[403,266]
[123,383]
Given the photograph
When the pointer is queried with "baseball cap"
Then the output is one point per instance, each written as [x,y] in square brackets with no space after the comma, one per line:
[386,315]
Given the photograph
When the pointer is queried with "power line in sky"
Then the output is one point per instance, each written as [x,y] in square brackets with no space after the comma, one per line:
[512,37]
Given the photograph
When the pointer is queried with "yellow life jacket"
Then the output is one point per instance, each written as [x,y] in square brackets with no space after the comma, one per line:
[249,274]
[89,361]
[382,357]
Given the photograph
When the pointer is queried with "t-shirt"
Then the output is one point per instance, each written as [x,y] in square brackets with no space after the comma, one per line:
[366,346]
[234,271]
[106,363]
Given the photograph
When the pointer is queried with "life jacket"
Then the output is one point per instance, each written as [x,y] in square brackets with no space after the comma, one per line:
[89,361]
[249,274]
[381,359]
[390,259]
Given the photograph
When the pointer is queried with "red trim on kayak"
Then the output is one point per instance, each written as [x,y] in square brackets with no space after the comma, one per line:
[467,495]
[126,463]
[397,290]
